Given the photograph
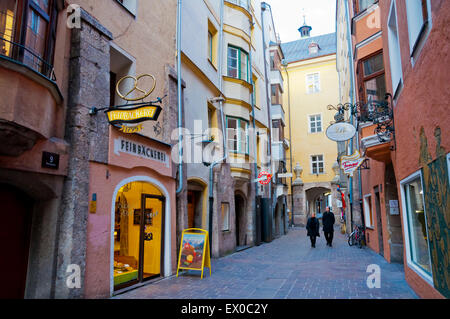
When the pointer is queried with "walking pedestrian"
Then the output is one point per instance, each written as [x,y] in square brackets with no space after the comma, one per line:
[312,226]
[328,226]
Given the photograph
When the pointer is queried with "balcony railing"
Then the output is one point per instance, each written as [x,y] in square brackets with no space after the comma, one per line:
[22,55]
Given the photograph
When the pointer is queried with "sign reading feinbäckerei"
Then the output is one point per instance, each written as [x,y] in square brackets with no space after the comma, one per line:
[122,145]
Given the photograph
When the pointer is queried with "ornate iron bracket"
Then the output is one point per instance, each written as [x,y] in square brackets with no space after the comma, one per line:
[380,113]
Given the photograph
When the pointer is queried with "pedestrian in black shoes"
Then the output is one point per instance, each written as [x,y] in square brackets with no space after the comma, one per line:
[312,226]
[328,226]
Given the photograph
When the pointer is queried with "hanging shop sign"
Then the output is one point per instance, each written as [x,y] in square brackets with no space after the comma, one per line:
[349,164]
[128,115]
[341,132]
[194,251]
[140,113]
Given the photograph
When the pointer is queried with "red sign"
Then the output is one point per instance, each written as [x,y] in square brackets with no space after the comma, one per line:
[267,180]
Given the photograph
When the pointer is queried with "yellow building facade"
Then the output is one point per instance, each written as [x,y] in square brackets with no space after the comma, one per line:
[311,85]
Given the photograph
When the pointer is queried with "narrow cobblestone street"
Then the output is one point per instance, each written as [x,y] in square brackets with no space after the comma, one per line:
[286,268]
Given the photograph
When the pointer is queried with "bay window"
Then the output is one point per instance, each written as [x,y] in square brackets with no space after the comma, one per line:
[28,33]
[237,135]
[372,78]
[238,66]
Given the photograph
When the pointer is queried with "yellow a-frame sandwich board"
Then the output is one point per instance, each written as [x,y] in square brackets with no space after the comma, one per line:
[200,239]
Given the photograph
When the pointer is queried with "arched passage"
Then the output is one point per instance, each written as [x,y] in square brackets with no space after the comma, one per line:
[317,199]
[240,205]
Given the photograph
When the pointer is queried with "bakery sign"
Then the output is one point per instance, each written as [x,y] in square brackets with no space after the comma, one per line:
[122,145]
[349,164]
[129,115]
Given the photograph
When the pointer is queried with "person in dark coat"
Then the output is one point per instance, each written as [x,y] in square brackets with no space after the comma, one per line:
[328,226]
[313,226]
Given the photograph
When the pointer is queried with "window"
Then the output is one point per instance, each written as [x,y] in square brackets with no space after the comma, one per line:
[212,43]
[7,21]
[272,61]
[238,64]
[130,5]
[255,92]
[315,123]
[317,164]
[418,20]
[313,83]
[313,48]
[394,49]
[241,3]
[416,231]
[237,135]
[368,213]
[225,216]
[372,78]
[361,5]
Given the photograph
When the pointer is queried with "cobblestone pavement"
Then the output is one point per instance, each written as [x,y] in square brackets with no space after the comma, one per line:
[287,268]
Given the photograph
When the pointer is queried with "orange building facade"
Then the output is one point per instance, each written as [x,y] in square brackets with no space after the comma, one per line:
[398,57]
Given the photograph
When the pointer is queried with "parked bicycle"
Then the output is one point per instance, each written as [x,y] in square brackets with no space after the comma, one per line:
[357,237]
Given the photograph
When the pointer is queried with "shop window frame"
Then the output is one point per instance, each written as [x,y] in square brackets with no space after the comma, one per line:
[428,277]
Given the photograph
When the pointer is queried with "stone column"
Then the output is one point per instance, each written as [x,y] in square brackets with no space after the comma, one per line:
[299,209]
[88,137]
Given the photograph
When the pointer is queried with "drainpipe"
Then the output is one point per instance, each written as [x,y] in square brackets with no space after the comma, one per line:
[225,149]
[255,164]
[264,7]
[290,143]
[180,109]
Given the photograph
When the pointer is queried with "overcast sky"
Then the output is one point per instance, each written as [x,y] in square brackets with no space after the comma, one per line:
[288,17]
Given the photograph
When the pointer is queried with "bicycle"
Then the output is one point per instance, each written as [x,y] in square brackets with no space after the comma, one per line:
[357,237]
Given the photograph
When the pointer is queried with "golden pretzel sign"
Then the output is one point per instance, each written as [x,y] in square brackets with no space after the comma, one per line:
[135,87]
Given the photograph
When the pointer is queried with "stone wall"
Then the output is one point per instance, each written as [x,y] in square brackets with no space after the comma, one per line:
[88,136]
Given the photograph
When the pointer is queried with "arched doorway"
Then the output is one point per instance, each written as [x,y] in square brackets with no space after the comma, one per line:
[240,222]
[15,214]
[138,233]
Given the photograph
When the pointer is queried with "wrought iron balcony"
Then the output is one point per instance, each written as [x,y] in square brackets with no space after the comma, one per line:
[22,55]
[380,113]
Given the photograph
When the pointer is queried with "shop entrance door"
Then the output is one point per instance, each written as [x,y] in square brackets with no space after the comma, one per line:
[151,242]
[15,216]
[138,235]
